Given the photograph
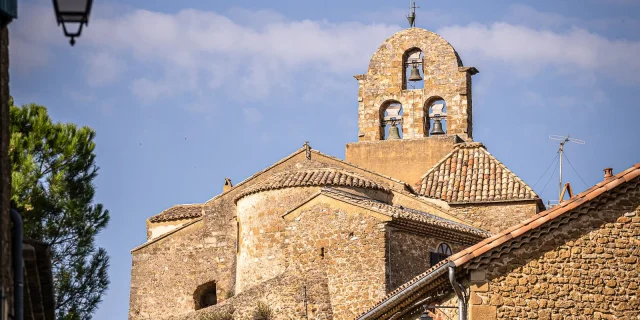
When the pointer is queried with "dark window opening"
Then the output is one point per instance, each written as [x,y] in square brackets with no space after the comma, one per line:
[443,251]
[322,252]
[205,295]
[237,236]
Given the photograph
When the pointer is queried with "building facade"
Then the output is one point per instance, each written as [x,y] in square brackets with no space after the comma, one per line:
[317,237]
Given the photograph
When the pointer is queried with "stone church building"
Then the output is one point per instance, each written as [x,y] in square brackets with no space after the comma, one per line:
[454,231]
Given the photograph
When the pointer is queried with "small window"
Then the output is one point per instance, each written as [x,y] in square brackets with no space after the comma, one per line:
[443,251]
[322,253]
[205,295]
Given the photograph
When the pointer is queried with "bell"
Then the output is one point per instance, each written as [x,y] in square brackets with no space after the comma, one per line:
[437,127]
[394,133]
[415,74]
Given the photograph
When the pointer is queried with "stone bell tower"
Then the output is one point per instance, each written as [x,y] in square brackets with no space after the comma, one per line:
[420,73]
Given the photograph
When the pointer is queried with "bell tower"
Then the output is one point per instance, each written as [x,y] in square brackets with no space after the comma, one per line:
[419,73]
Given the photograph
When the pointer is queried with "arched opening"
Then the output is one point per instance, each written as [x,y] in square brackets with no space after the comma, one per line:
[442,252]
[391,120]
[205,295]
[435,117]
[412,71]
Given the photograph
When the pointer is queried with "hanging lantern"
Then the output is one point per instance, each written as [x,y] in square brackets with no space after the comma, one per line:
[73,15]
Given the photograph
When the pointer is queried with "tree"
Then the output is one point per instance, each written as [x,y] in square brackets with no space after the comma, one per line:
[53,167]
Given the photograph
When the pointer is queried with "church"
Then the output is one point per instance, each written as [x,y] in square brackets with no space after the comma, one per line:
[419,221]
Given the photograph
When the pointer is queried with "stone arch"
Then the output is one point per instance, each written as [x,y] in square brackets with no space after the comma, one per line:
[408,59]
[205,295]
[438,51]
[384,127]
[426,120]
[444,248]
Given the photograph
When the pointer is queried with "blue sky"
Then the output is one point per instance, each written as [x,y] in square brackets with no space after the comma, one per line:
[185,93]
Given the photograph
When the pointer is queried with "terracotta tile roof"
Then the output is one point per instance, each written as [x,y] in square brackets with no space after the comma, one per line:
[399,212]
[470,173]
[313,151]
[313,177]
[516,232]
[177,212]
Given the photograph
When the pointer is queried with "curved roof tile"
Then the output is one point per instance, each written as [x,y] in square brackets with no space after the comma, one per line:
[470,173]
[177,212]
[313,178]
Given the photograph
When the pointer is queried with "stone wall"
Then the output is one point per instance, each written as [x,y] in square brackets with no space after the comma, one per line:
[289,296]
[409,255]
[348,246]
[586,269]
[407,160]
[166,273]
[261,254]
[167,270]
[494,217]
[444,78]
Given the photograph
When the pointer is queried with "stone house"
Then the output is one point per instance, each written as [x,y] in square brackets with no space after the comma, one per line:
[317,237]
[578,260]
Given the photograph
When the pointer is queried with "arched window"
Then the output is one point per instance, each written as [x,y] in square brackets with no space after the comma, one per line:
[391,120]
[435,117]
[413,72]
[205,295]
[443,251]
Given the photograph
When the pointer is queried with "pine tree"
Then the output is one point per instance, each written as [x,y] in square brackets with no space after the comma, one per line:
[53,168]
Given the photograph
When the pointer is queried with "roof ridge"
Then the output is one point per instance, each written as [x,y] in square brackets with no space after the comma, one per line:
[550,214]
[515,176]
[335,177]
[395,209]
[472,174]
[158,217]
[361,168]
[509,234]
[444,159]
[472,144]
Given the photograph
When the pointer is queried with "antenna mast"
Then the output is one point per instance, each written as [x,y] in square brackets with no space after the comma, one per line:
[412,14]
[561,152]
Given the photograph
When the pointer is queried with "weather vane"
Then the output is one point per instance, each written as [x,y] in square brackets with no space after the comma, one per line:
[412,14]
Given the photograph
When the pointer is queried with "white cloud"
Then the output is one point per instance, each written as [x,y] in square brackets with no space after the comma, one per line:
[103,69]
[31,37]
[252,115]
[248,61]
[574,51]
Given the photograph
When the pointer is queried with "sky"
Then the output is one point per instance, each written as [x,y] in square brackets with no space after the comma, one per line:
[185,93]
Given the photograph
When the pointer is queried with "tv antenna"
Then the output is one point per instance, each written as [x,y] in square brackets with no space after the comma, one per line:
[561,151]
[412,14]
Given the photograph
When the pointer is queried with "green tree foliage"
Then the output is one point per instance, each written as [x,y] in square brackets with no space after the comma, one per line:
[53,167]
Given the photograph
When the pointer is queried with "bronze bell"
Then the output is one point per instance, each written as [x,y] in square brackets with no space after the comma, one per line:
[415,74]
[394,133]
[437,127]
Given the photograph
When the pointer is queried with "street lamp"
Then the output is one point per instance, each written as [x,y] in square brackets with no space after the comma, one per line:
[72,12]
